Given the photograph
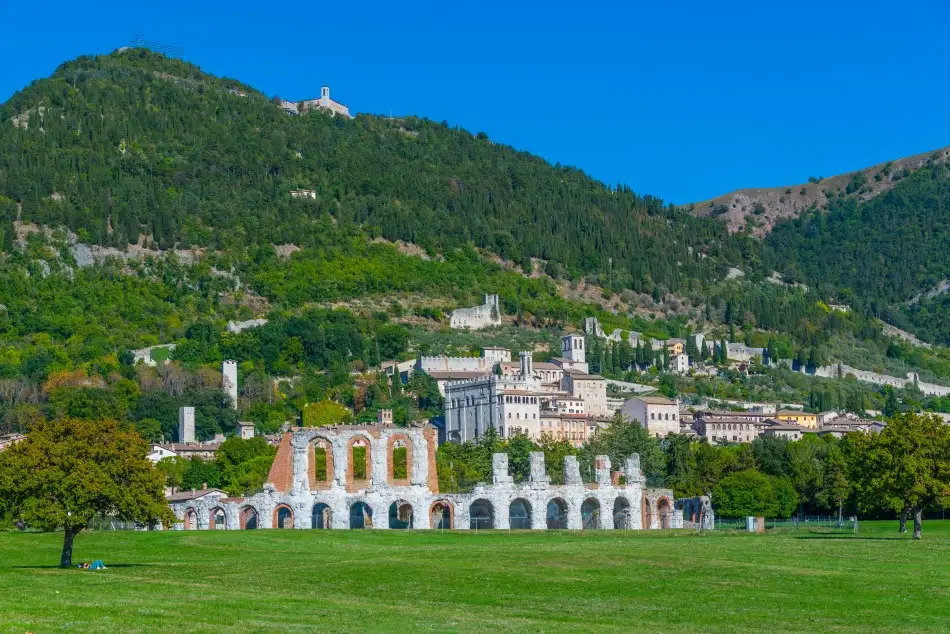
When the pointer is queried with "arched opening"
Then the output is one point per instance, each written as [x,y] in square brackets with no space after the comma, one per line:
[590,514]
[400,514]
[217,519]
[519,514]
[321,464]
[361,515]
[440,515]
[481,515]
[191,519]
[557,514]
[400,459]
[283,517]
[623,519]
[360,468]
[321,517]
[663,511]
[249,518]
[645,514]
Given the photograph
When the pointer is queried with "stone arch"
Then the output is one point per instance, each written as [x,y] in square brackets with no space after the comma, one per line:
[442,515]
[353,482]
[481,514]
[645,513]
[361,515]
[664,512]
[394,446]
[320,463]
[321,516]
[590,513]
[249,518]
[557,514]
[283,516]
[217,519]
[455,436]
[623,515]
[400,514]
[519,514]
[191,519]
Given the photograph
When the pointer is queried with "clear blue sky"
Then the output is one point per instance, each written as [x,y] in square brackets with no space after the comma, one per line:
[680,99]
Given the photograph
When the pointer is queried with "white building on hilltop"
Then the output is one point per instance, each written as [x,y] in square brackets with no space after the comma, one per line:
[324,103]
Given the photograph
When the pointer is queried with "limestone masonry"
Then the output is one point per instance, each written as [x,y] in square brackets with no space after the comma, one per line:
[488,314]
[381,476]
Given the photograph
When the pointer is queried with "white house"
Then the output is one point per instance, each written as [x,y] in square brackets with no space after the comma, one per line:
[658,414]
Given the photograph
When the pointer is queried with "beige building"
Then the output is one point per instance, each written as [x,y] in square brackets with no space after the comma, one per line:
[805,419]
[719,431]
[590,388]
[789,431]
[658,414]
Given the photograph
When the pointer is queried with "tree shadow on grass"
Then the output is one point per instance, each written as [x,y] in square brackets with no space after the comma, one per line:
[850,538]
[73,567]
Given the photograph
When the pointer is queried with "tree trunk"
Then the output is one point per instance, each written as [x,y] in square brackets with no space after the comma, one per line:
[903,528]
[840,512]
[918,516]
[66,560]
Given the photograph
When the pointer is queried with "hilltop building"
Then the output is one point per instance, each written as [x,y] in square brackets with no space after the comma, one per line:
[476,317]
[323,103]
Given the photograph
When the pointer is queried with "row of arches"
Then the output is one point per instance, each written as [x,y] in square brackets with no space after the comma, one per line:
[441,515]
[359,461]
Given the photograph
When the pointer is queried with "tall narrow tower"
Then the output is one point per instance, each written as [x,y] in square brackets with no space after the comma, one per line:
[229,380]
[527,366]
[186,424]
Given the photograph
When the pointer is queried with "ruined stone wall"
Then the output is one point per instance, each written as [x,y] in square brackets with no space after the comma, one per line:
[488,314]
[617,499]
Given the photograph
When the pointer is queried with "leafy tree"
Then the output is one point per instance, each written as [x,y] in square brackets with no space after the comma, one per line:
[904,468]
[835,486]
[69,470]
[750,492]
[174,468]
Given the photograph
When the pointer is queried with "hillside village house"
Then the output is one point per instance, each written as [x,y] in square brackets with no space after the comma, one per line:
[805,419]
[659,415]
[788,431]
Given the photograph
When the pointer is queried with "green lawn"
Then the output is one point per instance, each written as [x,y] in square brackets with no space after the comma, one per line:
[302,581]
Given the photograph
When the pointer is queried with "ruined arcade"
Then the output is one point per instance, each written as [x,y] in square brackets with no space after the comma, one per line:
[381,476]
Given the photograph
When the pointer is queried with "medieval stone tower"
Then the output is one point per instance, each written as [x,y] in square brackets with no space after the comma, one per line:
[572,348]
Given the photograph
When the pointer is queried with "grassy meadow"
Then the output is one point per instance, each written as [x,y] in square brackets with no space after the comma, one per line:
[304,581]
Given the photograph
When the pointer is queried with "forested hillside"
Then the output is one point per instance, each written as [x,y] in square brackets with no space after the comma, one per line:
[410,218]
[877,255]
[133,144]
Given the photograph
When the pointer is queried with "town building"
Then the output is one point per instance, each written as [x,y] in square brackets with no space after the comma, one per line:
[657,414]
[722,430]
[679,363]
[384,477]
[590,388]
[805,419]
[786,430]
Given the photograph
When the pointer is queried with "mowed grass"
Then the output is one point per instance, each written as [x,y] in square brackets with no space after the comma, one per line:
[359,581]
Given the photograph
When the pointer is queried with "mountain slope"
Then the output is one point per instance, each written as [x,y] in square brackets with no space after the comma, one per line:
[133,146]
[758,210]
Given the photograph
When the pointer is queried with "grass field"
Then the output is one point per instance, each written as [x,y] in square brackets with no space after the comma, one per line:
[303,581]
